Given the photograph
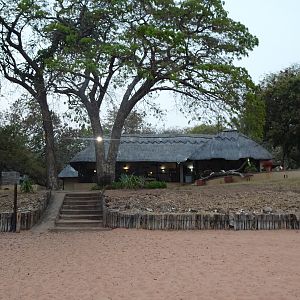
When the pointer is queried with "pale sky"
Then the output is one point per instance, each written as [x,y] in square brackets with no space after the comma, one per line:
[275,22]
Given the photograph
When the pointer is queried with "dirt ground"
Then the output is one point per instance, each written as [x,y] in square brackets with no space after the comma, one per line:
[139,264]
[277,196]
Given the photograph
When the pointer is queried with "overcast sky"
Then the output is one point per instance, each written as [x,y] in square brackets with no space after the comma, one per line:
[275,22]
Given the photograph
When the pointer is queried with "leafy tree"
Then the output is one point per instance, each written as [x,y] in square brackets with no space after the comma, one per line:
[15,155]
[22,61]
[25,113]
[281,93]
[205,129]
[134,123]
[251,119]
[143,47]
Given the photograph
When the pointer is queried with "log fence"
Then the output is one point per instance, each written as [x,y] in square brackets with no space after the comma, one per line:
[25,219]
[197,221]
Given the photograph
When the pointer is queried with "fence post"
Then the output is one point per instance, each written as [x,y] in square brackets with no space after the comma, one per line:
[15,207]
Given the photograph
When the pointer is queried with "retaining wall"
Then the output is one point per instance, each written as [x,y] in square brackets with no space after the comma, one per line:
[116,219]
[25,219]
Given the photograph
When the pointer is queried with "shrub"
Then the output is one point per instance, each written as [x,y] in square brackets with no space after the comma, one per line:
[131,181]
[26,186]
[155,185]
[97,187]
[250,168]
[115,186]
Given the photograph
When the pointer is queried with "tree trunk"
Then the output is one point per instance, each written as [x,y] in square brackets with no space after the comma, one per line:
[52,181]
[115,143]
[99,145]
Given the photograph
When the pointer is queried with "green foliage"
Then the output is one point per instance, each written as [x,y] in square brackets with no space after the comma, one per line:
[134,123]
[26,186]
[97,187]
[155,185]
[16,155]
[205,129]
[116,185]
[251,120]
[136,182]
[281,93]
[250,168]
[131,181]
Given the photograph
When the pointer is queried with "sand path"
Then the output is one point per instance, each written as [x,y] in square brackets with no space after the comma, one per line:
[131,264]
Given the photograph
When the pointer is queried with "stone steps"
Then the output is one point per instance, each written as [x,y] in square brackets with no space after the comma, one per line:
[80,211]
[74,228]
[79,222]
[81,216]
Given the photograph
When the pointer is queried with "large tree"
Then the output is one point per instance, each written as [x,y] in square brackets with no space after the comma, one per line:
[22,62]
[138,48]
[281,93]
[252,116]
[16,155]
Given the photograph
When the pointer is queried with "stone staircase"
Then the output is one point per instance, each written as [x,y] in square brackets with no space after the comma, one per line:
[80,211]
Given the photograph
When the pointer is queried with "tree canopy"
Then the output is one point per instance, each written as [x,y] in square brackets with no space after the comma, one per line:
[140,48]
[22,61]
[281,93]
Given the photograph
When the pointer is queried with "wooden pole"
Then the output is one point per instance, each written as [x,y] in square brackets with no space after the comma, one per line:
[15,207]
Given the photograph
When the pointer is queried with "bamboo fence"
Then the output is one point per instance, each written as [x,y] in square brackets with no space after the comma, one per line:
[25,219]
[197,221]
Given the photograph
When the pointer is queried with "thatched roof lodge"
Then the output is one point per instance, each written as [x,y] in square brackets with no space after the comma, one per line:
[175,157]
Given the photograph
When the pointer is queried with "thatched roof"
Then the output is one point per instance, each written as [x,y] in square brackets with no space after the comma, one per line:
[68,172]
[229,145]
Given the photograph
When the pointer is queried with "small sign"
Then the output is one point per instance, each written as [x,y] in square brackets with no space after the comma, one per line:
[11,177]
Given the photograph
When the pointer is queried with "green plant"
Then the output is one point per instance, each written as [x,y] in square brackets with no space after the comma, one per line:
[155,185]
[250,168]
[97,187]
[131,181]
[115,186]
[26,186]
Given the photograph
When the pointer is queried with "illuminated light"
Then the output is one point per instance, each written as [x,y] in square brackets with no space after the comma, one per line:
[191,167]
[99,139]
[95,171]
[162,167]
[126,168]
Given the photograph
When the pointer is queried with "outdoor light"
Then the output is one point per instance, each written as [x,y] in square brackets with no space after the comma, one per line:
[99,139]
[95,171]
[125,168]
[191,167]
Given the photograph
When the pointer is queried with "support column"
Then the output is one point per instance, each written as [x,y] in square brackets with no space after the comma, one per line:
[181,173]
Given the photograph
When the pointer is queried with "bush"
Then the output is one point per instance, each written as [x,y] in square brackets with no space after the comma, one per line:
[250,168]
[155,185]
[131,181]
[97,187]
[26,186]
[115,186]
[135,182]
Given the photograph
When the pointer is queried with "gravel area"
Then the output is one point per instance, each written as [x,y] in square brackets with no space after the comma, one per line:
[277,197]
[26,201]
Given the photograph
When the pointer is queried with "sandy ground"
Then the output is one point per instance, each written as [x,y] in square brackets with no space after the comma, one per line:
[131,264]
